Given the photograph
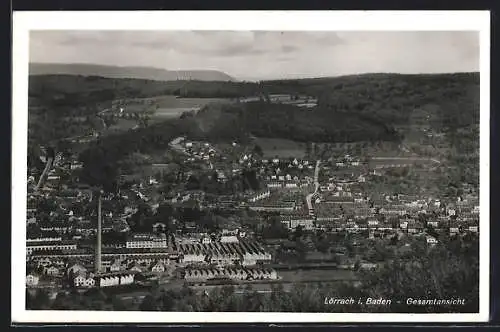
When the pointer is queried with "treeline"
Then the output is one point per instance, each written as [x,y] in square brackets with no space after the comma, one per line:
[71,90]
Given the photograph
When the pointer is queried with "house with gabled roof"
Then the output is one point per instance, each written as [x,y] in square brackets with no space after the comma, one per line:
[134,267]
[157,267]
[32,279]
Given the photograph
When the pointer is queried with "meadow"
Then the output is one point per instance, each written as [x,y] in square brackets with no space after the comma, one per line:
[283,148]
[168,106]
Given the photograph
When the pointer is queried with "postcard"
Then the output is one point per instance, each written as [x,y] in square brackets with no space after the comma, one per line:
[267,167]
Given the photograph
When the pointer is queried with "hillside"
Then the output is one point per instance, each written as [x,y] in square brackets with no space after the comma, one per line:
[146,73]
[238,121]
[73,90]
[349,107]
[447,99]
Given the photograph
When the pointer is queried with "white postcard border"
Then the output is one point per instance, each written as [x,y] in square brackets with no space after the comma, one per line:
[23,22]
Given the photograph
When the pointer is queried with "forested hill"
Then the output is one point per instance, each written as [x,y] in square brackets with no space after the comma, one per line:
[147,73]
[74,90]
[393,98]
[321,124]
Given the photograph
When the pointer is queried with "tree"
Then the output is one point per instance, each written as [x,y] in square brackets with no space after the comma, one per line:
[149,304]
[275,229]
[40,301]
[258,150]
[299,231]
[142,220]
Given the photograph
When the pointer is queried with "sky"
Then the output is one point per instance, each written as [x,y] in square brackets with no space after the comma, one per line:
[255,55]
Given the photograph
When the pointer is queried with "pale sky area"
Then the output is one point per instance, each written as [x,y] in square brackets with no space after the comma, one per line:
[254,55]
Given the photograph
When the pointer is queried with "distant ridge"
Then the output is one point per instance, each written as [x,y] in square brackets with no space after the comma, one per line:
[147,73]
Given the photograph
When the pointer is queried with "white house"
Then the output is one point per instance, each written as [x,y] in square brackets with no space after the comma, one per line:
[433,223]
[32,280]
[76,268]
[368,266]
[134,267]
[116,266]
[81,280]
[126,279]
[473,229]
[52,271]
[109,281]
[431,240]
[158,267]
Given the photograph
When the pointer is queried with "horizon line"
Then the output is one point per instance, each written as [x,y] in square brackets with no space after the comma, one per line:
[241,79]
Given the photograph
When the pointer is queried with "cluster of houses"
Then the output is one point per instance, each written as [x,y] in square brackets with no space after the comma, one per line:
[293,221]
[194,150]
[277,201]
[241,274]
[347,161]
[287,174]
[79,276]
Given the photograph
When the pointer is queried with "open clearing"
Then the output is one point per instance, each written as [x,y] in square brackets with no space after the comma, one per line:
[122,124]
[168,105]
[316,275]
[282,148]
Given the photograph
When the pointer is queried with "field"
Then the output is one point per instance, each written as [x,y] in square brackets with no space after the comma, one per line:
[168,105]
[282,148]
[316,275]
[122,124]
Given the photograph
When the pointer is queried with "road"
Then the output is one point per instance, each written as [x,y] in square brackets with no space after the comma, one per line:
[437,162]
[316,188]
[46,170]
[406,158]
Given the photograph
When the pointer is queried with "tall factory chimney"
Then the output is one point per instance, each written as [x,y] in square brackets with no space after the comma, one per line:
[97,261]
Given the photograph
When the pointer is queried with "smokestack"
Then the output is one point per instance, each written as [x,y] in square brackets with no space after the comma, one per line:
[97,262]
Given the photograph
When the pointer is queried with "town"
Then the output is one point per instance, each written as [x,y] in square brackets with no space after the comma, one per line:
[297,220]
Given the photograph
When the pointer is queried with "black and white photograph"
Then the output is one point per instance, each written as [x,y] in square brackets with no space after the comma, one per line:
[280,170]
